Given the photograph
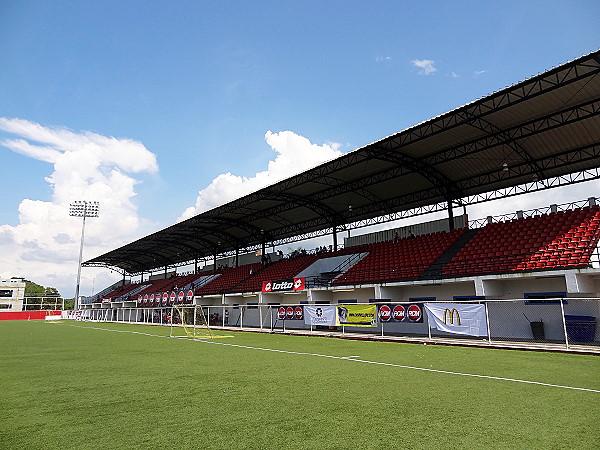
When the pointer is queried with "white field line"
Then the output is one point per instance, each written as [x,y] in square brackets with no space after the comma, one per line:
[354,359]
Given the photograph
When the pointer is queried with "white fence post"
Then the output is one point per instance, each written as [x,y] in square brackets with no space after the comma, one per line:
[487,322]
[564,322]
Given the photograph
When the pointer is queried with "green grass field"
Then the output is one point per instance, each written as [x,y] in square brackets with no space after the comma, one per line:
[68,385]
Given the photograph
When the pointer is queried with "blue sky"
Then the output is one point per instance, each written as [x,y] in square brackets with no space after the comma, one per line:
[168,98]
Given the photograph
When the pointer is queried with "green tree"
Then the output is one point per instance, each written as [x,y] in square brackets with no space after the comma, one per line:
[69,303]
[33,289]
[49,294]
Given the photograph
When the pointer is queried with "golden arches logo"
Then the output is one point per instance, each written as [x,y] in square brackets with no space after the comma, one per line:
[450,314]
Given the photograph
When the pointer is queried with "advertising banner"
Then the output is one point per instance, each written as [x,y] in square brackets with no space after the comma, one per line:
[291,284]
[290,313]
[299,284]
[281,313]
[320,315]
[385,313]
[457,318]
[357,315]
[411,313]
[414,313]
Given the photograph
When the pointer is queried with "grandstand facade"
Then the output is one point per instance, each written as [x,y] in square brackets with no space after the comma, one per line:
[539,134]
[12,294]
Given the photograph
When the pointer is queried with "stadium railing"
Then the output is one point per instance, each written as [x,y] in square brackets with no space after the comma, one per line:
[43,303]
[546,322]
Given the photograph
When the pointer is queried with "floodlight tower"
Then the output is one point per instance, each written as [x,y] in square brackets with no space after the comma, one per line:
[82,209]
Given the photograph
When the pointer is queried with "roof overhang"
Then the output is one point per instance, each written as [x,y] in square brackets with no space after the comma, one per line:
[543,128]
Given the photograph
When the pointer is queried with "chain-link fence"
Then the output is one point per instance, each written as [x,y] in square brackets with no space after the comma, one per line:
[550,322]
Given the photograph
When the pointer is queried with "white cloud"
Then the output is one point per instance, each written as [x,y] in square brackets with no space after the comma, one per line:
[383,58]
[477,73]
[427,66]
[295,154]
[44,246]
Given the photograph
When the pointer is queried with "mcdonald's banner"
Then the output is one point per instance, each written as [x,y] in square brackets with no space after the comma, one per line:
[357,315]
[457,318]
[320,315]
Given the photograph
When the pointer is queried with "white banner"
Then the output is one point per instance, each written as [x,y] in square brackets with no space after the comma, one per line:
[457,318]
[320,315]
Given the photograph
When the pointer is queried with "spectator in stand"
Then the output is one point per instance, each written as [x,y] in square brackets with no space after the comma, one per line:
[396,237]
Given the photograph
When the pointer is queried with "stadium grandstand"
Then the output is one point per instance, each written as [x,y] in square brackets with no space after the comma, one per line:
[536,271]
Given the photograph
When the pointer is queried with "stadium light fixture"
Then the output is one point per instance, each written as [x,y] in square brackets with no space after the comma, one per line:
[82,209]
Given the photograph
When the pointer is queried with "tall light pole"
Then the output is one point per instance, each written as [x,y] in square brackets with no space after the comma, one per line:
[82,209]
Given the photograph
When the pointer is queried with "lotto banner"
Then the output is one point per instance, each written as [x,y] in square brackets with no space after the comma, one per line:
[296,284]
[457,318]
[320,315]
[357,315]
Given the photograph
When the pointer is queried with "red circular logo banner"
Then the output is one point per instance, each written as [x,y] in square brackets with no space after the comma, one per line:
[289,312]
[385,313]
[281,313]
[399,313]
[415,313]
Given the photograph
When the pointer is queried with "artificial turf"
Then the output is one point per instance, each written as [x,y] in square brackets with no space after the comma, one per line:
[72,385]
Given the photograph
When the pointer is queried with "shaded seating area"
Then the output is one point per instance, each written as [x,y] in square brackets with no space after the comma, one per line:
[557,240]
[228,277]
[150,287]
[168,284]
[120,292]
[405,259]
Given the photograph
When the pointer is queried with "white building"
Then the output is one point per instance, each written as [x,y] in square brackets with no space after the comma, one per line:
[12,294]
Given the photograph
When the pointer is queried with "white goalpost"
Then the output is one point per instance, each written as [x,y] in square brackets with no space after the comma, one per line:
[189,322]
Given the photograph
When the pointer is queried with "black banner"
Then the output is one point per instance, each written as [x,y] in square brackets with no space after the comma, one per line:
[408,313]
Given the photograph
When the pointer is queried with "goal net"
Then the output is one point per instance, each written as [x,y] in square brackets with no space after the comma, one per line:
[190,322]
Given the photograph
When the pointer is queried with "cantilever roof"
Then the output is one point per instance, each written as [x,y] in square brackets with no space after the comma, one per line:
[544,127]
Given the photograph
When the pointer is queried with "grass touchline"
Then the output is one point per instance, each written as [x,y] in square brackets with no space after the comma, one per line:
[207,340]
